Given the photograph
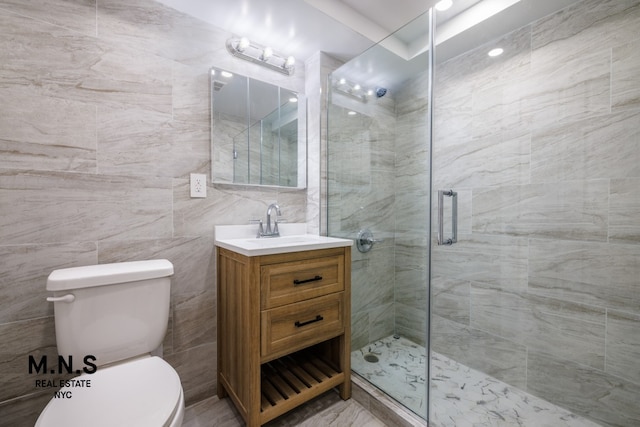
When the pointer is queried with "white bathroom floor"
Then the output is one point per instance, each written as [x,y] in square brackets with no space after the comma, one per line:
[327,410]
[462,396]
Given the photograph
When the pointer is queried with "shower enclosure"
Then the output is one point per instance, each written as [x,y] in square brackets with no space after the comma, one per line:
[531,163]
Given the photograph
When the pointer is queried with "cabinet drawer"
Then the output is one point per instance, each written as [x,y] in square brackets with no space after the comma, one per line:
[292,327]
[290,282]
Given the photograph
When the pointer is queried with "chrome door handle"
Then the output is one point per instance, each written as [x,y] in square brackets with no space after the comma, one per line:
[454,217]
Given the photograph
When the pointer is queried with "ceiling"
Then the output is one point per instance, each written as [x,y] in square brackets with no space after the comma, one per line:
[290,27]
[346,28]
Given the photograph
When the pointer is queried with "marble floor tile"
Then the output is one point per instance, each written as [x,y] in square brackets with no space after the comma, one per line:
[327,410]
[461,396]
[397,366]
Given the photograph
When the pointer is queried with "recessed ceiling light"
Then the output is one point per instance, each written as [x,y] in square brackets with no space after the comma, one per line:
[443,5]
[226,74]
[495,52]
[352,113]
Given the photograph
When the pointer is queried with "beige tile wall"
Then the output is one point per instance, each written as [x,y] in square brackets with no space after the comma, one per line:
[543,144]
[361,194]
[104,112]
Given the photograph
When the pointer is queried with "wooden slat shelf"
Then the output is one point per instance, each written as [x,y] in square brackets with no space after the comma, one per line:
[287,381]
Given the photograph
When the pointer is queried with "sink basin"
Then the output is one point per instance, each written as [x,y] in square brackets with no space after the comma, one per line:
[293,238]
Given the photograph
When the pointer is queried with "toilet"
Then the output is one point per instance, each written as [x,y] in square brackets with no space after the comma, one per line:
[110,322]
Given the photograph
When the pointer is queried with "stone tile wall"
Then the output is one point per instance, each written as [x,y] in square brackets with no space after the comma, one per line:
[361,194]
[104,112]
[543,145]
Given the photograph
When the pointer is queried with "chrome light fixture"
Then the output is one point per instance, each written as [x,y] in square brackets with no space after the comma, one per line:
[264,55]
[356,91]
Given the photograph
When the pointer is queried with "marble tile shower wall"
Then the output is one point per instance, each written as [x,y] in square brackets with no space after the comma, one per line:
[361,194]
[411,211]
[543,146]
[104,112]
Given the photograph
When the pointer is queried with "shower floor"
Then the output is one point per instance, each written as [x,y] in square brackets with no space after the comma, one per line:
[397,366]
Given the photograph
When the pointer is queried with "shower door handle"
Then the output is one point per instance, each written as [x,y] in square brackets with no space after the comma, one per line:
[454,217]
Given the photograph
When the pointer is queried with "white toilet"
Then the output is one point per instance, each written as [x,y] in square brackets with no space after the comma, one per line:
[118,314]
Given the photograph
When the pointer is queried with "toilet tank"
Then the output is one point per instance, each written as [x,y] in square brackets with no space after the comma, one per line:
[111,311]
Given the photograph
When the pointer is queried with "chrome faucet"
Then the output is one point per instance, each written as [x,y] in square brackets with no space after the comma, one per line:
[275,232]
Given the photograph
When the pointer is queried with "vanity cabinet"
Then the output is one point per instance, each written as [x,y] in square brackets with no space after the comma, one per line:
[283,329]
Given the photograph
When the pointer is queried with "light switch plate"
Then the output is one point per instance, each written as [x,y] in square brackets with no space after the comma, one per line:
[198,185]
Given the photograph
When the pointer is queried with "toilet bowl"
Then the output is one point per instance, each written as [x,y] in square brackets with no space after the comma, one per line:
[143,393]
[115,314]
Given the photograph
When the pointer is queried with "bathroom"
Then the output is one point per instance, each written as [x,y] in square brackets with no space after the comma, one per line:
[105,113]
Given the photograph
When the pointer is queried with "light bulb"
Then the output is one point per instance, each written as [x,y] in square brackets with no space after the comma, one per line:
[289,62]
[266,53]
[243,44]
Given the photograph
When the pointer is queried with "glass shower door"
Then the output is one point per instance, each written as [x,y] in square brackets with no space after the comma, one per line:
[377,193]
[536,307]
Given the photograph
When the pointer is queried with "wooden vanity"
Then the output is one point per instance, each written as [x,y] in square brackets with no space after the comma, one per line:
[283,328]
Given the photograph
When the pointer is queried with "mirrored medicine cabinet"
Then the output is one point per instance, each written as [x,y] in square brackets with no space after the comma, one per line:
[258,132]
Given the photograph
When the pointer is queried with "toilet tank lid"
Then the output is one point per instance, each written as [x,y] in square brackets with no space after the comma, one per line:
[108,274]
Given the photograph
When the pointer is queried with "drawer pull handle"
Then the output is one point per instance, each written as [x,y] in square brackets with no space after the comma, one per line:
[302,282]
[317,319]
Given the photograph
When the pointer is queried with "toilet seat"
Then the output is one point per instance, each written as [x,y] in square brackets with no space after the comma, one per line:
[143,393]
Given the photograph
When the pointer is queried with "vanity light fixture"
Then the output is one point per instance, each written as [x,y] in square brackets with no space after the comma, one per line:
[267,53]
[225,74]
[290,62]
[352,90]
[357,91]
[244,48]
[243,43]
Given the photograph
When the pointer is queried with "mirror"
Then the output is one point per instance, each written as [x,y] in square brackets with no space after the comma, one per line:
[258,132]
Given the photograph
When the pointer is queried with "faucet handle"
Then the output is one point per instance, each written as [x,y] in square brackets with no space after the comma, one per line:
[260,228]
[275,225]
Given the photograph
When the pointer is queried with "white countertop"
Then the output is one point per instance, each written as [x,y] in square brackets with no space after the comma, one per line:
[293,238]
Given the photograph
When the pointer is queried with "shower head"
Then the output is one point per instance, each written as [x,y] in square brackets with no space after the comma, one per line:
[380,92]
